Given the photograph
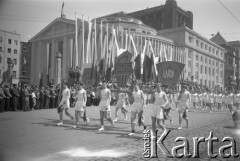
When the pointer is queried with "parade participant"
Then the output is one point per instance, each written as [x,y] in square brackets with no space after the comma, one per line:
[224,101]
[52,97]
[8,97]
[167,107]
[194,99]
[184,100]
[229,101]
[137,108]
[218,99]
[15,95]
[104,106]
[47,98]
[2,98]
[160,100]
[121,104]
[42,98]
[80,106]
[58,92]
[204,100]
[209,101]
[64,104]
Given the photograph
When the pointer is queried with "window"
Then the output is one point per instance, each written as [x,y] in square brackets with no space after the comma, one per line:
[213,63]
[213,50]
[14,74]
[9,41]
[217,64]
[190,39]
[212,84]
[0,59]
[221,54]
[15,42]
[189,64]
[206,60]
[15,61]
[196,74]
[205,82]
[217,52]
[201,45]
[201,69]
[0,48]
[213,72]
[196,57]
[200,81]
[221,74]
[196,64]
[206,47]
[189,53]
[24,48]
[1,39]
[209,84]
[209,61]
[9,50]
[0,73]
[209,49]
[197,43]
[143,31]
[201,58]
[209,71]
[132,29]
[15,51]
[205,70]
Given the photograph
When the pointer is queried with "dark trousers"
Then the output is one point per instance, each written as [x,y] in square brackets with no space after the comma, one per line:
[41,102]
[52,102]
[37,104]
[57,102]
[19,103]
[47,103]
[2,104]
[7,104]
[15,103]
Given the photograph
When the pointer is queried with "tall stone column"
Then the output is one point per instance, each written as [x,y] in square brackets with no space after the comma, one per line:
[59,66]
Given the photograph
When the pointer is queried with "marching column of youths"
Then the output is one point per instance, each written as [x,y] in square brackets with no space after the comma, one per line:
[160,98]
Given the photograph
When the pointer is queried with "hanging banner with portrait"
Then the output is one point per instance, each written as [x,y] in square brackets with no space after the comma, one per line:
[123,68]
[169,72]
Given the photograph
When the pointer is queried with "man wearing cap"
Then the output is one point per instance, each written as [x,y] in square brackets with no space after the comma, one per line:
[184,100]
[104,106]
[15,95]
[64,104]
[8,97]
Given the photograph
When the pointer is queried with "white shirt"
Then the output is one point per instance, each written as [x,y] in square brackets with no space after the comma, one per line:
[137,96]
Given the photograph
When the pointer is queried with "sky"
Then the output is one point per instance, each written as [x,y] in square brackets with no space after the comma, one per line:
[28,17]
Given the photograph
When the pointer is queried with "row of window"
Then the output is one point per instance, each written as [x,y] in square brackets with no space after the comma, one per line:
[205,46]
[15,60]
[15,51]
[9,41]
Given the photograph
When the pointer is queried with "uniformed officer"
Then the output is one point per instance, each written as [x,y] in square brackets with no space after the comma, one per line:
[15,95]
[8,97]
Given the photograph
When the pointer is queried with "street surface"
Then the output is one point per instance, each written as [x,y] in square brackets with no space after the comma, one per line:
[34,136]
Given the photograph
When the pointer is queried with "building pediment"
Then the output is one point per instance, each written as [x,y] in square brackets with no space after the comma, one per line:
[58,27]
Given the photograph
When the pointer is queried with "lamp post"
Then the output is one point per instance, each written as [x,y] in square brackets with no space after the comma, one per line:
[59,70]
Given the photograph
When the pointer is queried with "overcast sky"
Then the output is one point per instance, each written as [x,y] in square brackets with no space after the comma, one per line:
[28,17]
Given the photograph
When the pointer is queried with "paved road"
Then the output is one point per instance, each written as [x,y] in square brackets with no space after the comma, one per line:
[30,136]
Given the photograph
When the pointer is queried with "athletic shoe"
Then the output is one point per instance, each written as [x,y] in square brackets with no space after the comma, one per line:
[101,129]
[131,134]
[74,126]
[116,119]
[60,124]
[179,128]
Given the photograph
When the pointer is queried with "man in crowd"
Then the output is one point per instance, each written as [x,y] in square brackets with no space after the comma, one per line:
[8,97]
[52,97]
[15,95]
[47,98]
[2,98]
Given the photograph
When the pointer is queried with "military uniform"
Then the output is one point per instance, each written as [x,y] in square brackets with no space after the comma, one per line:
[15,95]
[42,99]
[7,99]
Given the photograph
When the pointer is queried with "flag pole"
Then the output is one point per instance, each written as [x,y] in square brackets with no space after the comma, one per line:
[76,41]
[83,57]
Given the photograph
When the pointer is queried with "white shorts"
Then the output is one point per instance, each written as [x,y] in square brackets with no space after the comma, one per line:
[66,104]
[136,107]
[79,106]
[104,106]
[182,107]
[157,111]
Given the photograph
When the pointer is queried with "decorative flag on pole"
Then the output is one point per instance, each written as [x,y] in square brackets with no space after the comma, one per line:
[137,68]
[62,9]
